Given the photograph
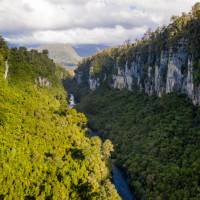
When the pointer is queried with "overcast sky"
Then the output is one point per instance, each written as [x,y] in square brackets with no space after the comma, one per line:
[30,22]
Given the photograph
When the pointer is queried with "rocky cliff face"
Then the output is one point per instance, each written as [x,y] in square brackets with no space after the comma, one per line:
[164,61]
[43,82]
[6,70]
[169,71]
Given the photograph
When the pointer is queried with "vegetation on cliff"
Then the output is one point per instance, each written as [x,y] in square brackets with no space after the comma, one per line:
[44,153]
[183,31]
[156,140]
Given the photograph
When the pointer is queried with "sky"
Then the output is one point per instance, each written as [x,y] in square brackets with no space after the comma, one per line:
[110,22]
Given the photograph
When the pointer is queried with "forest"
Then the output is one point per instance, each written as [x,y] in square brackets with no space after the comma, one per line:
[44,149]
[156,137]
[182,32]
[156,140]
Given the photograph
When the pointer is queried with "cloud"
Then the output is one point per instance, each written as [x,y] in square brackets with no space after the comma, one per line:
[84,21]
[79,36]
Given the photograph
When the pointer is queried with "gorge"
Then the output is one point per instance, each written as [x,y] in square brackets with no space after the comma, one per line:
[145,98]
[125,125]
[45,152]
[118,177]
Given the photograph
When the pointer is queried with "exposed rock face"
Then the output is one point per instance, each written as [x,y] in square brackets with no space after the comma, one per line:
[177,59]
[119,80]
[43,82]
[160,70]
[171,70]
[93,82]
[6,70]
[78,78]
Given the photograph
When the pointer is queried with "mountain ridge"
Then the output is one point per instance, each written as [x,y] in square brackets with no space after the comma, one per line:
[145,98]
[164,61]
[63,54]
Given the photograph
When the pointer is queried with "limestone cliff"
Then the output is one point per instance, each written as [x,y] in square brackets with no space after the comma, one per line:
[167,61]
[169,71]
[6,70]
[43,82]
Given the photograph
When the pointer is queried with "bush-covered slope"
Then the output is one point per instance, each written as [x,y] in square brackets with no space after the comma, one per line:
[44,153]
[156,140]
[163,61]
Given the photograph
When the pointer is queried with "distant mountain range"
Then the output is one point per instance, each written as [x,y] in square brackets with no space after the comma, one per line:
[68,55]
[86,50]
[63,54]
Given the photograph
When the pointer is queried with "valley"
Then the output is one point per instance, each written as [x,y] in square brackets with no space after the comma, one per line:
[122,122]
[44,149]
[144,97]
[119,178]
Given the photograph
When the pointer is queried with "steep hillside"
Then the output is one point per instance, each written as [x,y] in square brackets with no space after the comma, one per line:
[145,97]
[156,140]
[164,61]
[63,54]
[44,153]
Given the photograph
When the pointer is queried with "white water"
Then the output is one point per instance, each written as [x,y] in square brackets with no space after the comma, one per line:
[71,101]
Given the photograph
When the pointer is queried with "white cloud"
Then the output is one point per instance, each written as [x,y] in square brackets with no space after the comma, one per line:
[80,36]
[84,21]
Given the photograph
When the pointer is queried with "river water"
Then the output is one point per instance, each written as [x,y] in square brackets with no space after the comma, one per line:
[121,184]
[118,177]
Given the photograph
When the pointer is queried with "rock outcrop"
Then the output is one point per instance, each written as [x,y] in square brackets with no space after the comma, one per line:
[43,82]
[164,61]
[6,70]
[171,70]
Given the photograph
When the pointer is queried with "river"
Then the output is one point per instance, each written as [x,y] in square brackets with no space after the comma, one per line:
[121,184]
[118,177]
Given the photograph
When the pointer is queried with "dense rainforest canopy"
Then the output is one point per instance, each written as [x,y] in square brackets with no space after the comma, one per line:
[44,151]
[157,140]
